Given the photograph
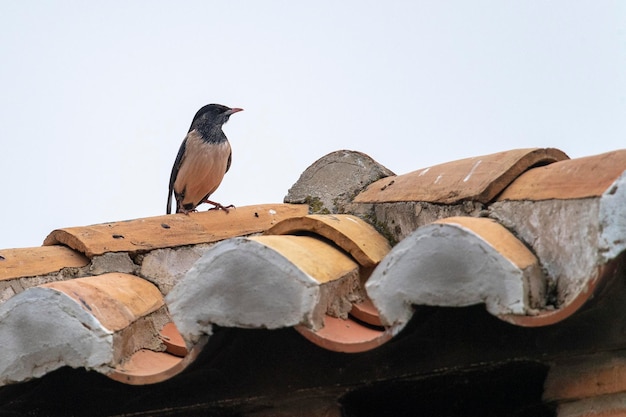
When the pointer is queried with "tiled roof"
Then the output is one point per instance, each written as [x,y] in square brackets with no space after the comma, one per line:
[500,266]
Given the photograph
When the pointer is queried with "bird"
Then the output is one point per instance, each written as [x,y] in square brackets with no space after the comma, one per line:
[203,158]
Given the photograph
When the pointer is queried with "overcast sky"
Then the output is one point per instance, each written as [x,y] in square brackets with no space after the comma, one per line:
[96,97]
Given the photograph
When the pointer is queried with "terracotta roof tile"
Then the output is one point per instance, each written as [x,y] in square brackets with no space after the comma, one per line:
[350,233]
[26,262]
[339,279]
[115,300]
[366,312]
[306,253]
[497,237]
[54,331]
[174,342]
[265,281]
[172,230]
[480,178]
[458,262]
[346,335]
[143,363]
[99,322]
[574,228]
[149,367]
[585,177]
[219,289]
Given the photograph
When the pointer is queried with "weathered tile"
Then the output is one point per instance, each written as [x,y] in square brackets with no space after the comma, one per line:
[350,233]
[141,235]
[115,299]
[479,178]
[27,262]
[586,177]
[456,262]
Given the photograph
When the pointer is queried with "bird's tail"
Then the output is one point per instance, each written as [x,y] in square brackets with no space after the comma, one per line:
[169,203]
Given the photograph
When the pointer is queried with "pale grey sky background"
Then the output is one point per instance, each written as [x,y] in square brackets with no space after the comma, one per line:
[97,96]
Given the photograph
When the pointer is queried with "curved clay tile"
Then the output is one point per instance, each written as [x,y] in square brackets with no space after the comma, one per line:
[28,262]
[313,256]
[479,178]
[590,176]
[174,342]
[149,367]
[98,322]
[350,233]
[275,281]
[368,248]
[173,230]
[366,312]
[346,335]
[457,262]
[54,331]
[252,283]
[116,300]
[572,214]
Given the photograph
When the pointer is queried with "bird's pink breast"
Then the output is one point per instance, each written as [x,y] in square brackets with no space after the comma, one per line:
[202,169]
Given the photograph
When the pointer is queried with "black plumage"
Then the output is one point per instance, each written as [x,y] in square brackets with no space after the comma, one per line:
[203,159]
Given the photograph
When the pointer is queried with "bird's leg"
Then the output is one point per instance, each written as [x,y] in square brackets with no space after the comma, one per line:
[186,212]
[217,206]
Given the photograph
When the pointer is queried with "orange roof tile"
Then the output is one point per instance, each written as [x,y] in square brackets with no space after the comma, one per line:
[496,236]
[350,233]
[576,178]
[174,342]
[115,299]
[348,336]
[306,253]
[142,235]
[149,367]
[26,262]
[458,262]
[479,178]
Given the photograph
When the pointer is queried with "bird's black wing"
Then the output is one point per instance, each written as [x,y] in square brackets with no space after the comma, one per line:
[174,174]
[230,159]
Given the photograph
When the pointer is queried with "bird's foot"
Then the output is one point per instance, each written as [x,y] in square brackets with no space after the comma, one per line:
[218,206]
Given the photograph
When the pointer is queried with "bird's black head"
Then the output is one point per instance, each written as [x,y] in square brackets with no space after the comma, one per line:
[212,115]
